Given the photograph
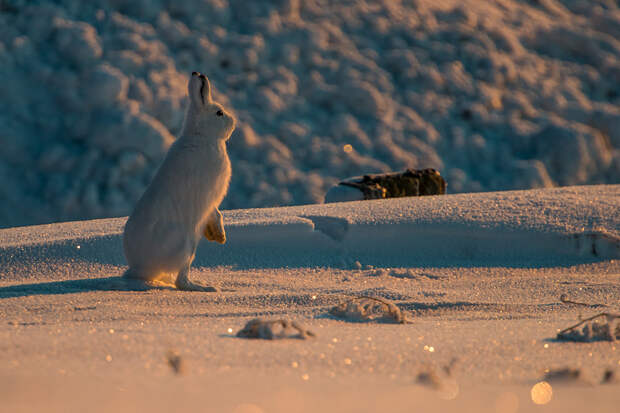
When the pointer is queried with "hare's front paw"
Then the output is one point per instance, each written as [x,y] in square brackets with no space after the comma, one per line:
[220,236]
[215,233]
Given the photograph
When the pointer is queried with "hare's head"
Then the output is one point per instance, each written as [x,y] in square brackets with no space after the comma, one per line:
[204,117]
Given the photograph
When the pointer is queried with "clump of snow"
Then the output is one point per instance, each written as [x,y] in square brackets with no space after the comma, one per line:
[503,95]
[592,329]
[273,329]
[175,361]
[565,374]
[369,309]
[440,379]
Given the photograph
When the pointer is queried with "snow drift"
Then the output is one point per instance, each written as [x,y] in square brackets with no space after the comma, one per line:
[516,228]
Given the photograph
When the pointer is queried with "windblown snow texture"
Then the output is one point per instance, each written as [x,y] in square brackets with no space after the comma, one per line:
[558,227]
[495,95]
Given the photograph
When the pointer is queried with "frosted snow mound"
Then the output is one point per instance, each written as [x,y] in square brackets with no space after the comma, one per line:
[520,228]
[507,95]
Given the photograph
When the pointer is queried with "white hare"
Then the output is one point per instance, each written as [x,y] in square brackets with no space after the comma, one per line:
[181,203]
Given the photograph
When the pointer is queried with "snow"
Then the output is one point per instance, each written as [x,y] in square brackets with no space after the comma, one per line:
[565,224]
[478,275]
[505,95]
[485,92]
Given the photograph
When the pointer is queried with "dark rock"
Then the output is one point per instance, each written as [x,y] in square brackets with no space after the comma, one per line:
[412,182]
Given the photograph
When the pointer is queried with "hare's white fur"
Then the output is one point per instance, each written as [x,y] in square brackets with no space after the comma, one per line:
[181,203]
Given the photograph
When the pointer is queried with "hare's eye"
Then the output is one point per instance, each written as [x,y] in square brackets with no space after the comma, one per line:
[219,113]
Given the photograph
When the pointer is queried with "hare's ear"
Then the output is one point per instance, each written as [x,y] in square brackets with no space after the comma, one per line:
[205,91]
[199,89]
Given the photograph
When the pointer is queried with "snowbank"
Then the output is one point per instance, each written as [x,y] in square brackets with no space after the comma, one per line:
[506,95]
[561,226]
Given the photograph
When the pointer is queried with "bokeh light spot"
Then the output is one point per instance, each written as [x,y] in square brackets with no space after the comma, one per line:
[541,393]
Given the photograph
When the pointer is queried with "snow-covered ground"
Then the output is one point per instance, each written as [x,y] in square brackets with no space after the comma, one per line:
[479,275]
[496,95]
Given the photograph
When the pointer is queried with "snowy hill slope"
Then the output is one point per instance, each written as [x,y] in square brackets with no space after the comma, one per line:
[560,226]
[93,93]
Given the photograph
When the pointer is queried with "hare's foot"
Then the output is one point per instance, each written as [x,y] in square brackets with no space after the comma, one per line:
[183,283]
[196,286]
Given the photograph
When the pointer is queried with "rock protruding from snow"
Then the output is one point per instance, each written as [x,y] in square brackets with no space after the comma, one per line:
[392,185]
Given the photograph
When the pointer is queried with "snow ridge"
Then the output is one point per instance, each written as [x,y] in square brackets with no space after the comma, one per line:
[561,226]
